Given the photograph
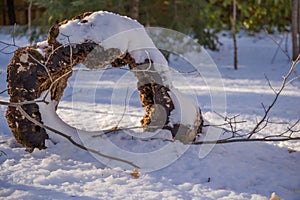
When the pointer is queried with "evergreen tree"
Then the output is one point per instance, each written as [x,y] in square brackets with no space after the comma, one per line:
[201,19]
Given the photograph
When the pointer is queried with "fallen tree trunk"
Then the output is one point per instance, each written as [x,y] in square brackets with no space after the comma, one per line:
[38,72]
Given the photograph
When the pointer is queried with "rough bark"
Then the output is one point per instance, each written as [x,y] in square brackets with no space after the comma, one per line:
[153,94]
[295,28]
[30,73]
[298,26]
[11,12]
[233,30]
[27,78]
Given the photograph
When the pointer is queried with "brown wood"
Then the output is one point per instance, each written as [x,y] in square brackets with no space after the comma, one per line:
[20,9]
[28,76]
[295,23]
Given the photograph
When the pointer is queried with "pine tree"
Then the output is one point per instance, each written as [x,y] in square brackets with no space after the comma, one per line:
[201,19]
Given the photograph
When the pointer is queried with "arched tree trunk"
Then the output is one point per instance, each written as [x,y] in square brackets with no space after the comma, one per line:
[48,65]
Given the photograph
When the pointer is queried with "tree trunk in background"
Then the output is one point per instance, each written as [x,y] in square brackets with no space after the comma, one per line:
[29,20]
[11,12]
[295,28]
[298,26]
[175,20]
[235,60]
[134,11]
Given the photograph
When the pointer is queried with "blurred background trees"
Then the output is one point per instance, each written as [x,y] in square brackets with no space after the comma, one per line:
[201,19]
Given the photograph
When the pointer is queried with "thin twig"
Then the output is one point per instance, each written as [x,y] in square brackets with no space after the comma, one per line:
[2,152]
[292,80]
[25,114]
[3,91]
[122,116]
[7,45]
[52,84]
[21,103]
[269,83]
[43,65]
[277,94]
[279,46]
[223,141]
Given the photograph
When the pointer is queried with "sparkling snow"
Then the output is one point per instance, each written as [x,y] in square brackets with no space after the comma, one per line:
[230,171]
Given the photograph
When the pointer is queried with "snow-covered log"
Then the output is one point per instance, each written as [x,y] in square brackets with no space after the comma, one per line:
[96,39]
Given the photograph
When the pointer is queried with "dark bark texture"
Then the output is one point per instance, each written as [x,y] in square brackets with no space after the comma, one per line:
[296,28]
[30,73]
[11,12]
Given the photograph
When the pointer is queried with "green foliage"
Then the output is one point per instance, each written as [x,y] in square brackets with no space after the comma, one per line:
[187,16]
[252,15]
[59,10]
[201,19]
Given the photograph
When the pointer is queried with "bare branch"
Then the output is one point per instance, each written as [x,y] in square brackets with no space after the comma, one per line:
[265,139]
[279,47]
[52,84]
[23,112]
[269,83]
[277,94]
[2,152]
[44,65]
[261,124]
[18,106]
[8,45]
[292,80]
[122,116]
[3,91]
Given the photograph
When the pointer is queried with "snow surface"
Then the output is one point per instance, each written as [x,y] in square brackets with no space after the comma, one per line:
[185,109]
[114,31]
[229,171]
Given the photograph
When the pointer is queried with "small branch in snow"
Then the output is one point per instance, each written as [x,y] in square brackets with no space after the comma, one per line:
[123,114]
[230,124]
[270,85]
[265,139]
[8,45]
[279,47]
[2,152]
[69,138]
[3,91]
[257,127]
[292,80]
[114,129]
[287,135]
[14,104]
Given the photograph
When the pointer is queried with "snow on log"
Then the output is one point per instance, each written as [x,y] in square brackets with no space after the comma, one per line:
[96,39]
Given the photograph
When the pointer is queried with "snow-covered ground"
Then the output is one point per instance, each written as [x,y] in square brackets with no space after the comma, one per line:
[229,171]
